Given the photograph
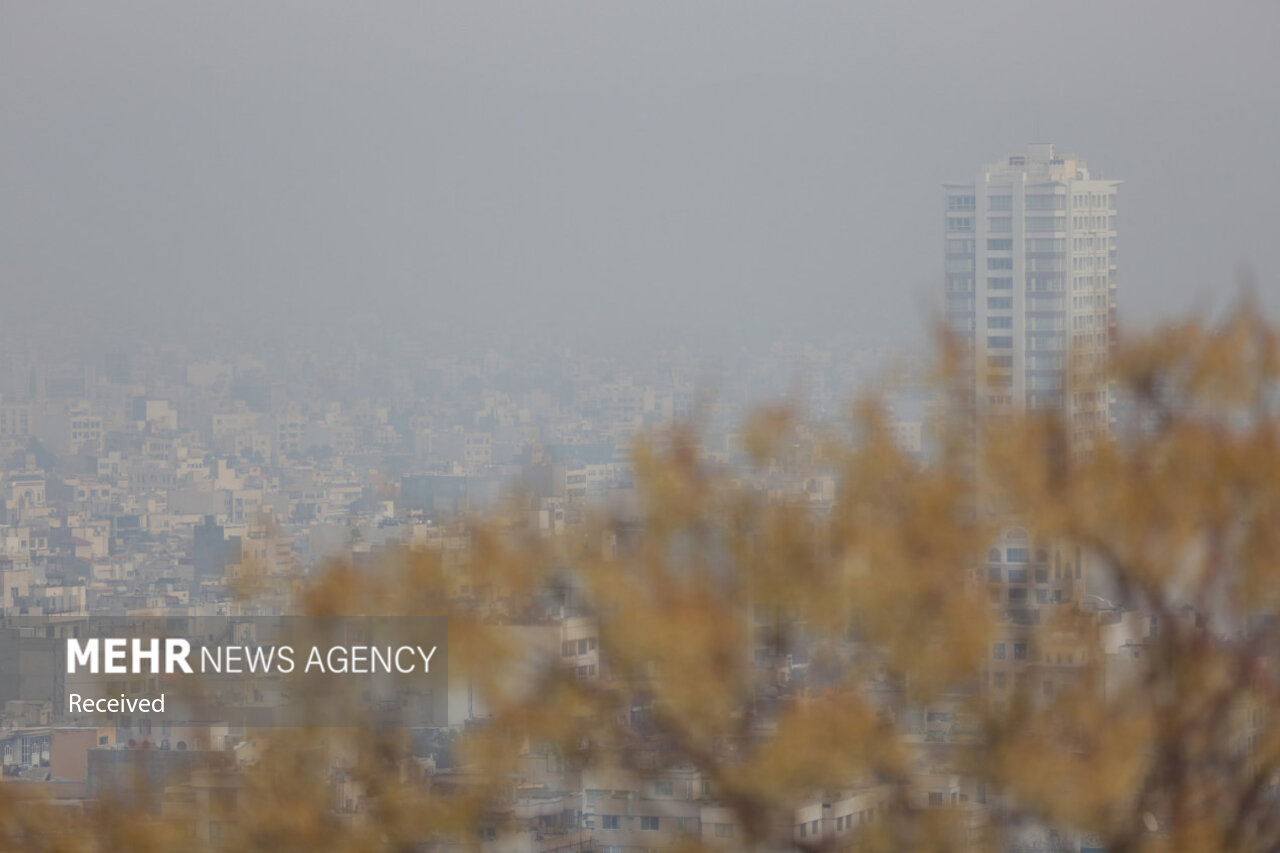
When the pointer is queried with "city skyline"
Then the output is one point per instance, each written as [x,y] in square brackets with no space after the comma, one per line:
[637,427]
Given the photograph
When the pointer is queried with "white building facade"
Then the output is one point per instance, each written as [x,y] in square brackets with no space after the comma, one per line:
[1030,272]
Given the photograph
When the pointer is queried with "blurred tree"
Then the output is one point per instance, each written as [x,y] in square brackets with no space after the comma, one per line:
[848,674]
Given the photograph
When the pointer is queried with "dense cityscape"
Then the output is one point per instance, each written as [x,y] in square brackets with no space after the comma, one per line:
[533,428]
[143,484]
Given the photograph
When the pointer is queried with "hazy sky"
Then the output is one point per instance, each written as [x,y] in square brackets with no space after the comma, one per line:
[604,171]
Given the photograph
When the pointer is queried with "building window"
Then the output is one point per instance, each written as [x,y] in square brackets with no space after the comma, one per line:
[959,223]
[1046,244]
[993,574]
[1017,555]
[663,788]
[1046,202]
[998,303]
[609,821]
[936,798]
[960,202]
[999,341]
[1044,303]
[649,823]
[999,224]
[1000,283]
[998,651]
[999,263]
[724,830]
[1000,202]
[1019,651]
[998,680]
[999,322]
[1046,223]
[1003,244]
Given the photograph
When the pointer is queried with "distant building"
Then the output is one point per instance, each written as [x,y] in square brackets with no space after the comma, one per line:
[155,413]
[436,495]
[72,430]
[211,550]
[15,419]
[1030,272]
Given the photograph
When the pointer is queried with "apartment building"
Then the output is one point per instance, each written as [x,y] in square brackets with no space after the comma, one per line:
[1030,285]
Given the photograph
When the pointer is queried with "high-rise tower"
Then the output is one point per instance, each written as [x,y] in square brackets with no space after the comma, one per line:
[1030,284]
